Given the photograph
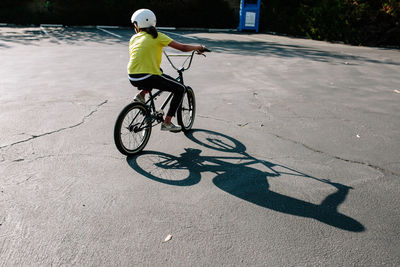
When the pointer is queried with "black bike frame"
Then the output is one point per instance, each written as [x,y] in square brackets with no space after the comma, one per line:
[180,71]
[179,79]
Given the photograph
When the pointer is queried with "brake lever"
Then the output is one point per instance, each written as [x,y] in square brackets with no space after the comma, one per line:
[201,54]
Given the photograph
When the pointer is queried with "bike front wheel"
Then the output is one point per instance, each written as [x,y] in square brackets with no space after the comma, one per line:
[187,110]
[132,129]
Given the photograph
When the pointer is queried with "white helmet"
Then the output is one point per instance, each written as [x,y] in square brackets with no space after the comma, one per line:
[144,18]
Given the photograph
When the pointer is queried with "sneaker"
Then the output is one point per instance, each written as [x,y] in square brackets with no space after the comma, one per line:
[139,98]
[170,127]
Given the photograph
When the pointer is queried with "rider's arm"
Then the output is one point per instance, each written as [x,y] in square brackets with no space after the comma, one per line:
[186,47]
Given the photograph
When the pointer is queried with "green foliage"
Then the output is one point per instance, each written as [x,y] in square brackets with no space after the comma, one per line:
[368,22]
[377,22]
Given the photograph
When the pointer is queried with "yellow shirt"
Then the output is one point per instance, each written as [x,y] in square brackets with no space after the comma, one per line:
[145,53]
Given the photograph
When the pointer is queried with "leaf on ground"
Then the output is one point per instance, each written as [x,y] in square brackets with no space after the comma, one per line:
[168,238]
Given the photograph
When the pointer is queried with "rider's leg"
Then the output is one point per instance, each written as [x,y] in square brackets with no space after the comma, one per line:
[178,89]
[165,83]
[138,80]
[170,84]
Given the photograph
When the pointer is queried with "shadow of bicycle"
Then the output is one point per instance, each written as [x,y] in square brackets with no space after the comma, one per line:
[237,176]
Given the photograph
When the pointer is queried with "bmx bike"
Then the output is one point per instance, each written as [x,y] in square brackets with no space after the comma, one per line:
[133,126]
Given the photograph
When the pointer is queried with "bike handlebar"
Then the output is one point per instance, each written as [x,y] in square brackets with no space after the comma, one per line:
[182,68]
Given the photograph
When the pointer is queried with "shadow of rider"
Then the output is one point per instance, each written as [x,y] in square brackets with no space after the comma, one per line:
[252,185]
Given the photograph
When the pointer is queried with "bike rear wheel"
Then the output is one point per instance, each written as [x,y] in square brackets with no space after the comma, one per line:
[132,129]
[187,110]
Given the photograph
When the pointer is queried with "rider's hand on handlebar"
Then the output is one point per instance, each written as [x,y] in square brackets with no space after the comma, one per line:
[202,49]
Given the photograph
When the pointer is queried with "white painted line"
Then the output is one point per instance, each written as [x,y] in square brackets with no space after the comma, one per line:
[181,35]
[166,28]
[45,32]
[116,35]
[51,25]
[222,30]
[108,27]
[3,24]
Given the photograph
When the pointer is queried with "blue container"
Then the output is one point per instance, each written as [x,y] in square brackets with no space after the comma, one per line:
[249,15]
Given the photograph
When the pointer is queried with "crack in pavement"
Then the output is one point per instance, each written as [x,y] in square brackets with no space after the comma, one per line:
[261,106]
[241,124]
[378,168]
[214,118]
[27,179]
[383,170]
[29,160]
[58,130]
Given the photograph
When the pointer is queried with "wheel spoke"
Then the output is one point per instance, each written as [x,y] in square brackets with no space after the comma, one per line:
[186,110]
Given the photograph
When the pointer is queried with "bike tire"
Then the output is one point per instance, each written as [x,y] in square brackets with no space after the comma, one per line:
[132,117]
[187,110]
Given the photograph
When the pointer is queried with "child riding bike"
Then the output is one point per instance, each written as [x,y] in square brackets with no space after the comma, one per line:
[145,50]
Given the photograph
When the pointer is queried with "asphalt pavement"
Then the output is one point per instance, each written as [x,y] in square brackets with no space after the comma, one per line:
[293,159]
